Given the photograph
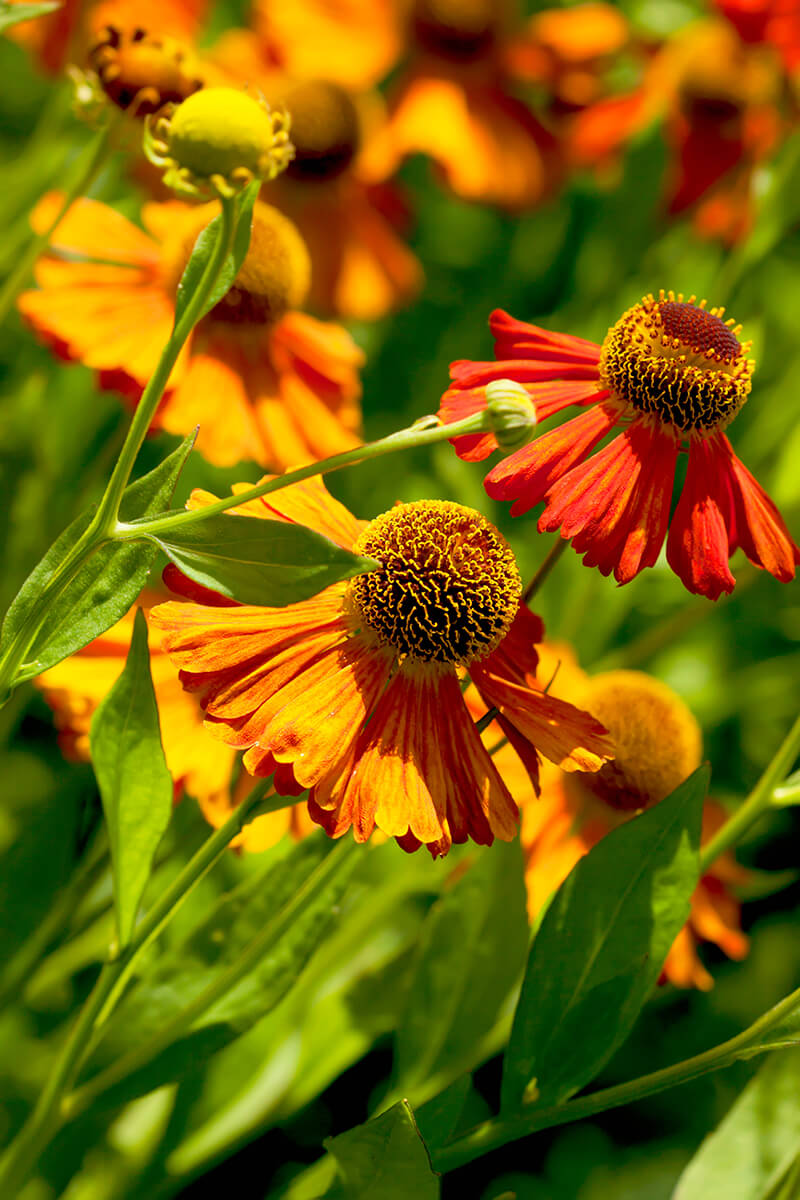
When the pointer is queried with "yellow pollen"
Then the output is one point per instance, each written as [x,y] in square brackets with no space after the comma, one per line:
[657,741]
[448,587]
[140,73]
[457,28]
[678,362]
[325,129]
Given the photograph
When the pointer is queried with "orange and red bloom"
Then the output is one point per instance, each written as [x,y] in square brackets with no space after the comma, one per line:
[672,374]
[264,380]
[355,693]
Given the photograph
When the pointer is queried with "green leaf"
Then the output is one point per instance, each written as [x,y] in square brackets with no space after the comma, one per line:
[600,948]
[385,1159]
[12,14]
[105,587]
[259,561]
[135,784]
[471,953]
[288,909]
[204,248]
[757,1143]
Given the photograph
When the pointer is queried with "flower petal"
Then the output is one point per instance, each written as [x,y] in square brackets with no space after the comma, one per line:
[760,529]
[700,531]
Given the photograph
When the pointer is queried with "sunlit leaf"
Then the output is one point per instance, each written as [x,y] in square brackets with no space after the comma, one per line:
[758,1141]
[258,561]
[600,948]
[384,1159]
[204,248]
[105,587]
[471,953]
[135,783]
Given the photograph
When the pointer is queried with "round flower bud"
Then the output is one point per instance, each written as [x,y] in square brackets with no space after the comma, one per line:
[217,141]
[512,414]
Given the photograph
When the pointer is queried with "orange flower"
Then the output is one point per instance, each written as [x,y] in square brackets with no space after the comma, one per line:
[355,693]
[199,764]
[657,744]
[263,380]
[65,35]
[455,103]
[360,267]
[354,43]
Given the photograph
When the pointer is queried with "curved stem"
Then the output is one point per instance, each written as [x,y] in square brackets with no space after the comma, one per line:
[500,1130]
[553,555]
[87,168]
[48,1115]
[406,439]
[758,802]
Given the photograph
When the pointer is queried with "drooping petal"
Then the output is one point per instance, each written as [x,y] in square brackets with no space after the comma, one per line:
[527,474]
[519,339]
[760,529]
[699,537]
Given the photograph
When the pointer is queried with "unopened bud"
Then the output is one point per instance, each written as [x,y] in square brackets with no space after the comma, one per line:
[512,414]
[217,142]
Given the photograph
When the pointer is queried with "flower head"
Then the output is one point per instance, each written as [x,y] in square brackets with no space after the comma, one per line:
[673,374]
[140,72]
[264,380]
[355,694]
[657,744]
[217,142]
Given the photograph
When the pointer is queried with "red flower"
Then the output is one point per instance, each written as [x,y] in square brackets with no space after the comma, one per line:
[672,374]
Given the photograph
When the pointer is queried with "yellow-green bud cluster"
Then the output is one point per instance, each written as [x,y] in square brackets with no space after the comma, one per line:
[512,414]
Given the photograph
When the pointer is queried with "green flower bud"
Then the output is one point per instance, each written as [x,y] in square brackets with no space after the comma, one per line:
[512,414]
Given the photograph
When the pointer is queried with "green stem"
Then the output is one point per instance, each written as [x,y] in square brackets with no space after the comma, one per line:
[500,1130]
[48,1115]
[182,1022]
[406,439]
[86,169]
[757,803]
[108,508]
[553,555]
[102,526]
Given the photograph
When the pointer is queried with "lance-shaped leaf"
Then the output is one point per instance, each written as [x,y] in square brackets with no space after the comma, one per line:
[12,14]
[135,784]
[205,246]
[471,953]
[259,561]
[749,1155]
[232,970]
[384,1159]
[600,949]
[105,587]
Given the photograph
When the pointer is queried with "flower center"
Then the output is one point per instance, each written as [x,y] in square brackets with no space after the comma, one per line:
[448,587]
[324,129]
[139,72]
[459,29]
[657,740]
[679,362]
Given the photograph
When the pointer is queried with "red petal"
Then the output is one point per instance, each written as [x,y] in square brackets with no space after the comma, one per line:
[526,475]
[760,529]
[518,339]
[699,536]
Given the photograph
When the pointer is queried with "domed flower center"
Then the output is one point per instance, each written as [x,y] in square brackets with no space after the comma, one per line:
[460,29]
[657,740]
[448,587]
[324,129]
[273,278]
[140,73]
[679,362]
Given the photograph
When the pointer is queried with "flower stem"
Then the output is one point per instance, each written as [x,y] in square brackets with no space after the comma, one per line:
[758,802]
[88,167]
[48,1116]
[500,1130]
[418,434]
[103,523]
[553,555]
